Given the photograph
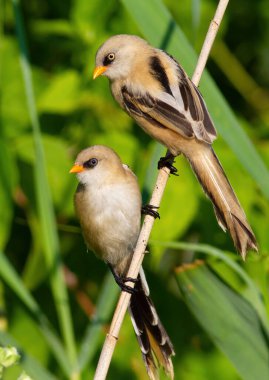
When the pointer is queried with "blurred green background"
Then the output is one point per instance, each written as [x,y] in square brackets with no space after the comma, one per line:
[56,299]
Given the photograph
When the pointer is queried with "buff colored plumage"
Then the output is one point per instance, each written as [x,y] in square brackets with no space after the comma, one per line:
[108,205]
[155,91]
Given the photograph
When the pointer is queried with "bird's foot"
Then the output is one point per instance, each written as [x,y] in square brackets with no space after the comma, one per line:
[149,210]
[121,281]
[167,161]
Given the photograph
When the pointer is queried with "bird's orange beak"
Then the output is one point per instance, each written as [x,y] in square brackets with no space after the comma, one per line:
[77,169]
[99,70]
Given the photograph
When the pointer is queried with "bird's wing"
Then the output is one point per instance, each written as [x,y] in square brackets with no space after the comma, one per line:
[184,111]
[195,109]
[157,111]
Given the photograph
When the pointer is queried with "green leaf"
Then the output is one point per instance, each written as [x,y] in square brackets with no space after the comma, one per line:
[30,365]
[44,201]
[251,292]
[55,99]
[58,27]
[175,216]
[230,321]
[7,181]
[58,164]
[160,29]
[106,302]
[14,113]
[8,356]
[8,274]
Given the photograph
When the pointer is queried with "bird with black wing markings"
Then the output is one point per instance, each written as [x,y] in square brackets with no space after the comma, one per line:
[108,206]
[155,91]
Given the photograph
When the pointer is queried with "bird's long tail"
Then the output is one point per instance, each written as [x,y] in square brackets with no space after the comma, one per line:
[154,341]
[229,213]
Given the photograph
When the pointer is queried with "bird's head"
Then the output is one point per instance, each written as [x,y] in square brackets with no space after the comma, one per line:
[116,57]
[96,165]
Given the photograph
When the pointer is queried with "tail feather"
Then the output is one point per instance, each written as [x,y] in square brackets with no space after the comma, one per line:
[154,341]
[228,211]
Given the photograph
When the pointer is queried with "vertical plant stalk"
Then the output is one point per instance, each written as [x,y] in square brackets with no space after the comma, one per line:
[112,336]
[209,40]
[44,201]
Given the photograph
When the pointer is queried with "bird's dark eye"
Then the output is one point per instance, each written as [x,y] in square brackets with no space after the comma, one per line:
[108,59]
[91,163]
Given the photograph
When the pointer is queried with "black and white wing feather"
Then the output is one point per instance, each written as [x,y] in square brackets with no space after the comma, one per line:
[179,107]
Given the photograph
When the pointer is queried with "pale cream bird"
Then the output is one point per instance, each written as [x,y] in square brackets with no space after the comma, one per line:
[108,206]
[152,87]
